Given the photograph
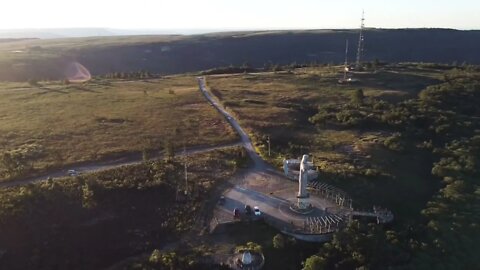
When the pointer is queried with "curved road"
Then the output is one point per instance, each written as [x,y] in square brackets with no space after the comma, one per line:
[258,161]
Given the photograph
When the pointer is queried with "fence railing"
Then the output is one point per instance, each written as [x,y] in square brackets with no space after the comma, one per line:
[324,224]
[331,193]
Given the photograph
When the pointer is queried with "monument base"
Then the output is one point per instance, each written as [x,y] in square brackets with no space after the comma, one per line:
[302,206]
[303,203]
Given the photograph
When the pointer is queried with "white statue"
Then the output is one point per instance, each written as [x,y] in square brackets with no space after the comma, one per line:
[303,178]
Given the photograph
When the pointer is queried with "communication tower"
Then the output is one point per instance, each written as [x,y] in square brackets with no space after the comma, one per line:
[345,66]
[360,42]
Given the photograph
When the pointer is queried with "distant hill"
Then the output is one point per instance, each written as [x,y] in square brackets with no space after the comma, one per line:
[170,54]
[50,33]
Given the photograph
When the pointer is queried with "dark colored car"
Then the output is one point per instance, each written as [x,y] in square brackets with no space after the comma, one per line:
[221,201]
[236,213]
[248,209]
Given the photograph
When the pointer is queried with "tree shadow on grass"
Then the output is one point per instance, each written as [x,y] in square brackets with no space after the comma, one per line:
[48,90]
[408,83]
[81,88]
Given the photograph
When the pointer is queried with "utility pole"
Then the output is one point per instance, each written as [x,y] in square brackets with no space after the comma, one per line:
[268,140]
[360,42]
[186,172]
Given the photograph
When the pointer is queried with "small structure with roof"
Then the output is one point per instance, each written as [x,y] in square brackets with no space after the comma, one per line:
[247,258]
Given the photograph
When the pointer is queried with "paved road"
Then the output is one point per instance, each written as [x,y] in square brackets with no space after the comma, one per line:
[258,161]
[91,166]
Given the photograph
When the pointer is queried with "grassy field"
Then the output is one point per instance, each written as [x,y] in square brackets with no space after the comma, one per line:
[55,125]
[279,105]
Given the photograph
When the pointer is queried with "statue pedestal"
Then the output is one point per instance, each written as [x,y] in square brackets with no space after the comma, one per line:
[302,206]
[303,203]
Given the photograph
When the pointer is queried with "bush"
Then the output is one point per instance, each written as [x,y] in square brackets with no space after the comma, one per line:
[278,241]
[314,263]
[33,82]
[155,257]
[394,143]
[371,172]
[357,97]
[251,246]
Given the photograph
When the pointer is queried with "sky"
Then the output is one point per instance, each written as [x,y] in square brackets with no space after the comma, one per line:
[238,14]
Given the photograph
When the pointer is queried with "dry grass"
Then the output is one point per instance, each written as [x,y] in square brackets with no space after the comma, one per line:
[65,124]
[276,103]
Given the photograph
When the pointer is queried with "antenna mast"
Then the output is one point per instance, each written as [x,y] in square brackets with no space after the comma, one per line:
[345,68]
[360,41]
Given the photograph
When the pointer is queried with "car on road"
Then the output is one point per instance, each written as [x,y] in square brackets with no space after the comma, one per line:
[248,209]
[236,213]
[221,201]
[256,210]
[72,173]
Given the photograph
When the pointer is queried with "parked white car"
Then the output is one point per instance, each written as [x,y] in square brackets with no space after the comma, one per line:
[256,210]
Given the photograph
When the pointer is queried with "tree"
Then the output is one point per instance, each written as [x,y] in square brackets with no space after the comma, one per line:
[147,150]
[169,150]
[276,68]
[357,97]
[320,118]
[88,196]
[155,257]
[33,82]
[145,154]
[314,262]
[251,246]
[278,241]
[14,164]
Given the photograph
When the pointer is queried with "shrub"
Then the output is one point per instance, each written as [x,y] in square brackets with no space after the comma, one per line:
[33,82]
[394,143]
[278,241]
[314,263]
[251,246]
[155,257]
[357,97]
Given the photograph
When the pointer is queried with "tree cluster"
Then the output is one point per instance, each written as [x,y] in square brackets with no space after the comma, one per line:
[445,119]
[142,74]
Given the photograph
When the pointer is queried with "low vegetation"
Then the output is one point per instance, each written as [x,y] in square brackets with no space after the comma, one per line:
[49,124]
[132,210]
